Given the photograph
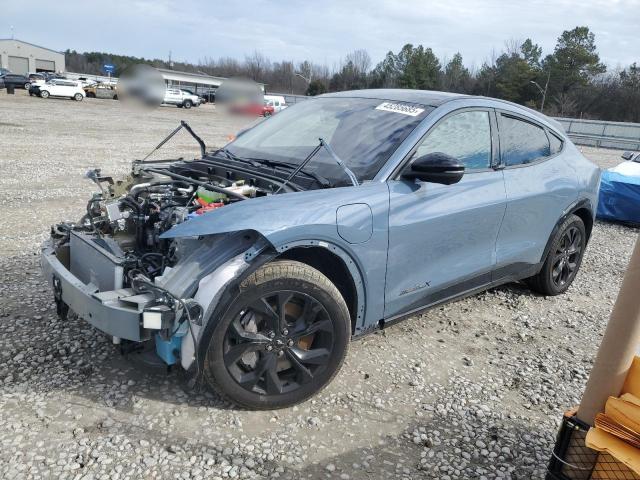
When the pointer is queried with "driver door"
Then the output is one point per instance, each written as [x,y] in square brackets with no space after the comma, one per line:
[442,238]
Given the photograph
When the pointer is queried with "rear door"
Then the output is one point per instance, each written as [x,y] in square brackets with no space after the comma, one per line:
[442,237]
[539,189]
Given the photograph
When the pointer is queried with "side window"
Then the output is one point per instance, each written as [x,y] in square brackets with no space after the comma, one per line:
[522,142]
[465,136]
[556,143]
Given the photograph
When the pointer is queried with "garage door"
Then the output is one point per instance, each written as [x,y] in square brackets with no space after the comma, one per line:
[19,65]
[45,66]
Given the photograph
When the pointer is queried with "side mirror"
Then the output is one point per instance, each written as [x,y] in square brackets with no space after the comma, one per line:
[436,167]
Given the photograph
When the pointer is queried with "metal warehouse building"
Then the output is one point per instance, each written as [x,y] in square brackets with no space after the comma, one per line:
[23,57]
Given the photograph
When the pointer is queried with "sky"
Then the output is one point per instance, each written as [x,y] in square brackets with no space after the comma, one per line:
[320,31]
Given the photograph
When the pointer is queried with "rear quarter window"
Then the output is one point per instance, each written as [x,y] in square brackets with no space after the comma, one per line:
[556,143]
[522,142]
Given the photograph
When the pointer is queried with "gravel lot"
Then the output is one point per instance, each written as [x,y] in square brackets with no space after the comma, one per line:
[474,389]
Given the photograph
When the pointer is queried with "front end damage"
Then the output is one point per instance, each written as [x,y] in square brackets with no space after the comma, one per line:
[92,277]
[114,269]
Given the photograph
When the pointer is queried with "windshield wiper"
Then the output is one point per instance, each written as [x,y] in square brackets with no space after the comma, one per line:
[324,183]
[332,154]
[257,162]
[232,156]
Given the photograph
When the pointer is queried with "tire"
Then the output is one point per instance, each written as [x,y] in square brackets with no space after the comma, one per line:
[257,360]
[179,106]
[187,104]
[78,97]
[563,259]
[115,97]
[91,95]
[27,86]
[44,94]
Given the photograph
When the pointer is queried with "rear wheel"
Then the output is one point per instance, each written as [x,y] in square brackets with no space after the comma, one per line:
[27,86]
[78,97]
[44,94]
[283,339]
[563,259]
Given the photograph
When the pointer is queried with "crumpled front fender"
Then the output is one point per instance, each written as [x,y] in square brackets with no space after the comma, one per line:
[286,217]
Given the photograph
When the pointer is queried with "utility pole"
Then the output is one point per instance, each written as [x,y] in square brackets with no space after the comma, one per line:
[12,32]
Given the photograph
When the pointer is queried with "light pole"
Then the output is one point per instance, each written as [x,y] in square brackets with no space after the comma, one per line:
[308,80]
[543,91]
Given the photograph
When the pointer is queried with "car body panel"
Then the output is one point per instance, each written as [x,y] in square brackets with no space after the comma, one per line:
[312,215]
[440,235]
[538,194]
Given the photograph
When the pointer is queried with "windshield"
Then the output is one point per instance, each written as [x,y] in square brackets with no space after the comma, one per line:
[363,132]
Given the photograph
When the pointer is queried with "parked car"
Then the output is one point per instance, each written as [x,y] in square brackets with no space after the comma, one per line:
[199,95]
[4,71]
[253,266]
[61,88]
[18,81]
[253,109]
[101,91]
[276,101]
[209,95]
[180,98]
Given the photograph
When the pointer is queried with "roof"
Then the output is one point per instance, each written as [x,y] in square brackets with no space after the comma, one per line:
[435,98]
[196,76]
[424,97]
[32,44]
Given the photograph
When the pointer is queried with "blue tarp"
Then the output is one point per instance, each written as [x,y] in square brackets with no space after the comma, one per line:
[619,197]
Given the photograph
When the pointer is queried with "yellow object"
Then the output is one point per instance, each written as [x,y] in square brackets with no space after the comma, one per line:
[632,381]
[623,412]
[605,442]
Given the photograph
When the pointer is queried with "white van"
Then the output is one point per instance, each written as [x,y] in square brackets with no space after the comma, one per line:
[275,101]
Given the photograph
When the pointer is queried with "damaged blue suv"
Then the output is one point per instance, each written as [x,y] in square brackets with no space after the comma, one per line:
[253,266]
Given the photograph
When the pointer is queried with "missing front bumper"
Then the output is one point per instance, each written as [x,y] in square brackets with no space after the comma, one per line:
[117,312]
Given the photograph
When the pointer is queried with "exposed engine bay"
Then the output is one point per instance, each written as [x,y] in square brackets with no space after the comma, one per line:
[115,268]
[129,215]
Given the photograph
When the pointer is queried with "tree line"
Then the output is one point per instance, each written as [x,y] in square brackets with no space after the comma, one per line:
[571,81]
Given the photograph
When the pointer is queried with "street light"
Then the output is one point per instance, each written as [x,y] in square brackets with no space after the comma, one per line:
[308,80]
[543,91]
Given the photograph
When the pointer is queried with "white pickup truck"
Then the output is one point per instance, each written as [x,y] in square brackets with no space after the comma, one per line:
[180,98]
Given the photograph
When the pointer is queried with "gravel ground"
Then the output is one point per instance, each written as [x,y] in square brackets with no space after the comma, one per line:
[473,389]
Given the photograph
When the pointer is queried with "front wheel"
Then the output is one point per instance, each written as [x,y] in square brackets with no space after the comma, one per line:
[563,259]
[44,94]
[187,104]
[283,339]
[27,86]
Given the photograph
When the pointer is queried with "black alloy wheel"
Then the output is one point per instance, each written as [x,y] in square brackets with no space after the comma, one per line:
[278,343]
[565,259]
[283,338]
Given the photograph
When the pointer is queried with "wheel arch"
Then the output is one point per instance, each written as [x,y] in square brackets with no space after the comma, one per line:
[335,265]
[584,210]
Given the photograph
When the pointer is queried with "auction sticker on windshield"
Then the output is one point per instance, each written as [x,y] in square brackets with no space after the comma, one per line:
[402,108]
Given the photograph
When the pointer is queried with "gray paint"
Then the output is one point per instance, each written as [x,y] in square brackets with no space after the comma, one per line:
[33,53]
[435,236]
[406,244]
